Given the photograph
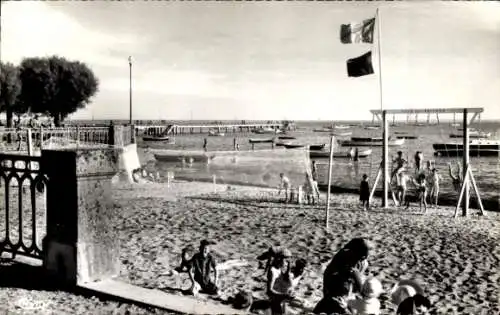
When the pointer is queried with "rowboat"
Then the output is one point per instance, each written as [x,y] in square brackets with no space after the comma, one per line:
[372,128]
[177,156]
[156,138]
[317,147]
[322,130]
[326,154]
[294,146]
[476,148]
[282,144]
[472,134]
[407,137]
[341,127]
[342,134]
[261,140]
[215,133]
[286,138]
[369,142]
[266,131]
[313,147]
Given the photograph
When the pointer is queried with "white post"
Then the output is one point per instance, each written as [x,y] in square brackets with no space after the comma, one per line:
[465,165]
[330,165]
[385,160]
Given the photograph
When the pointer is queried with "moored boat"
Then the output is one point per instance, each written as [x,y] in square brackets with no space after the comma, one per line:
[156,138]
[294,145]
[178,156]
[261,140]
[368,142]
[215,133]
[372,128]
[322,130]
[266,131]
[282,143]
[347,154]
[476,148]
[472,134]
[317,147]
[286,138]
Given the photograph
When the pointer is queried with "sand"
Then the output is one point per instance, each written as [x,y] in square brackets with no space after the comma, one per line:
[455,259]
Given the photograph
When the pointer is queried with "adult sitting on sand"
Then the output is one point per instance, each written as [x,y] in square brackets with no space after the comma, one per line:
[342,277]
[200,267]
[282,280]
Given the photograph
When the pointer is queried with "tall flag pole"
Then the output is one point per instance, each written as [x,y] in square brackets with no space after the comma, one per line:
[379,57]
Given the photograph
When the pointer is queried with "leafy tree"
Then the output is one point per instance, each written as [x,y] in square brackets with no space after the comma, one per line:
[56,86]
[10,89]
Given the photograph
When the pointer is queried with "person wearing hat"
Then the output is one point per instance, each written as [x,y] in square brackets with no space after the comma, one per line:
[200,267]
[281,282]
[343,276]
[368,303]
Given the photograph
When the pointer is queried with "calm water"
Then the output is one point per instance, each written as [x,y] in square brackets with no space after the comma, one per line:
[264,169]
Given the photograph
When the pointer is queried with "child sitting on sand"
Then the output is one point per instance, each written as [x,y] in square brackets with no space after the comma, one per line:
[200,268]
[282,280]
[364,193]
[368,303]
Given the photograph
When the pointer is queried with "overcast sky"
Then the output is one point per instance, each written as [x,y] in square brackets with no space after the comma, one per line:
[278,60]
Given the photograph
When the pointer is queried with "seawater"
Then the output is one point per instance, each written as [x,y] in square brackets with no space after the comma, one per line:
[264,173]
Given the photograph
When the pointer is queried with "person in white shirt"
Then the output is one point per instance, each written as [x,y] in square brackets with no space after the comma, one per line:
[284,185]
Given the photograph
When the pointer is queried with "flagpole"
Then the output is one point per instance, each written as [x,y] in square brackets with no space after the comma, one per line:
[379,59]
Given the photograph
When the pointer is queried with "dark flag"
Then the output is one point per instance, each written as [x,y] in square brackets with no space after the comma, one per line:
[360,66]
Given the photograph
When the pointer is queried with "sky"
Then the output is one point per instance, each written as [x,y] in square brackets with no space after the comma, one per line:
[264,60]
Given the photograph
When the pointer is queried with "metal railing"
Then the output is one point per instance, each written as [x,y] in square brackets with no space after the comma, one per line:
[22,218]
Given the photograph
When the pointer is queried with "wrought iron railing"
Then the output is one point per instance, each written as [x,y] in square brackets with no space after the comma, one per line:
[22,221]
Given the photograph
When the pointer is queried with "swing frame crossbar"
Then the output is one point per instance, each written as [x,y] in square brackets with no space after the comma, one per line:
[468,177]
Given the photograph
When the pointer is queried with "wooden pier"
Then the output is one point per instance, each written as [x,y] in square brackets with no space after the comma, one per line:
[202,129]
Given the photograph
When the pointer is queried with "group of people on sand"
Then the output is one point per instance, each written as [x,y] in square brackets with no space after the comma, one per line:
[310,185]
[346,287]
[425,180]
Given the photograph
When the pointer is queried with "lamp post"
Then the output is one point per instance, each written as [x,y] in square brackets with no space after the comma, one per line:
[130,88]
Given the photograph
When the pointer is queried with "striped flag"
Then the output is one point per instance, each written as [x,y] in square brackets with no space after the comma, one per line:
[355,33]
[360,66]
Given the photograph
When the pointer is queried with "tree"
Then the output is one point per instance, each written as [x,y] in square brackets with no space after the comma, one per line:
[10,89]
[56,86]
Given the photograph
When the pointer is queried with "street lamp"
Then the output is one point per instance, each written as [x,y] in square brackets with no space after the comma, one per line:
[130,88]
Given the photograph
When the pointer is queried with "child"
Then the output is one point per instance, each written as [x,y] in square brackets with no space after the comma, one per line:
[368,303]
[422,191]
[364,193]
[285,185]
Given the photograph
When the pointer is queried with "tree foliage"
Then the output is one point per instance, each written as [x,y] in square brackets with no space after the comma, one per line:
[10,89]
[56,86]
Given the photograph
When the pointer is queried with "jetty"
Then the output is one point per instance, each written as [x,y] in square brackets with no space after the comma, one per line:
[177,129]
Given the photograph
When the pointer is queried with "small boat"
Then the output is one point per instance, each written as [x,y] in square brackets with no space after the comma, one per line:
[342,134]
[372,128]
[476,148]
[317,147]
[215,133]
[261,140]
[472,134]
[322,130]
[368,142]
[266,131]
[282,144]
[178,156]
[294,146]
[455,125]
[286,138]
[326,154]
[407,137]
[155,138]
[341,127]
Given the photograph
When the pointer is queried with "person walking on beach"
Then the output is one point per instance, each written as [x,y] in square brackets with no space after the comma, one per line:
[456,180]
[434,182]
[419,157]
[364,193]
[284,185]
[281,282]
[205,144]
[421,185]
[400,165]
[200,268]
[342,277]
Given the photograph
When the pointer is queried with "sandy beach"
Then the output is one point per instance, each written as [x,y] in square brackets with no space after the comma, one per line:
[455,259]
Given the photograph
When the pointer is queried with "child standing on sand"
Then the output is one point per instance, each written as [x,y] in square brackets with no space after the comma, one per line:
[364,193]
[422,191]
[284,185]
[368,303]
[434,182]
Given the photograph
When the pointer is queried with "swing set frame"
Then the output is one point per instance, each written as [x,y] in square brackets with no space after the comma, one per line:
[467,175]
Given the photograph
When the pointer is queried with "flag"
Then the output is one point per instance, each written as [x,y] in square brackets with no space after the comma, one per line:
[355,33]
[360,66]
